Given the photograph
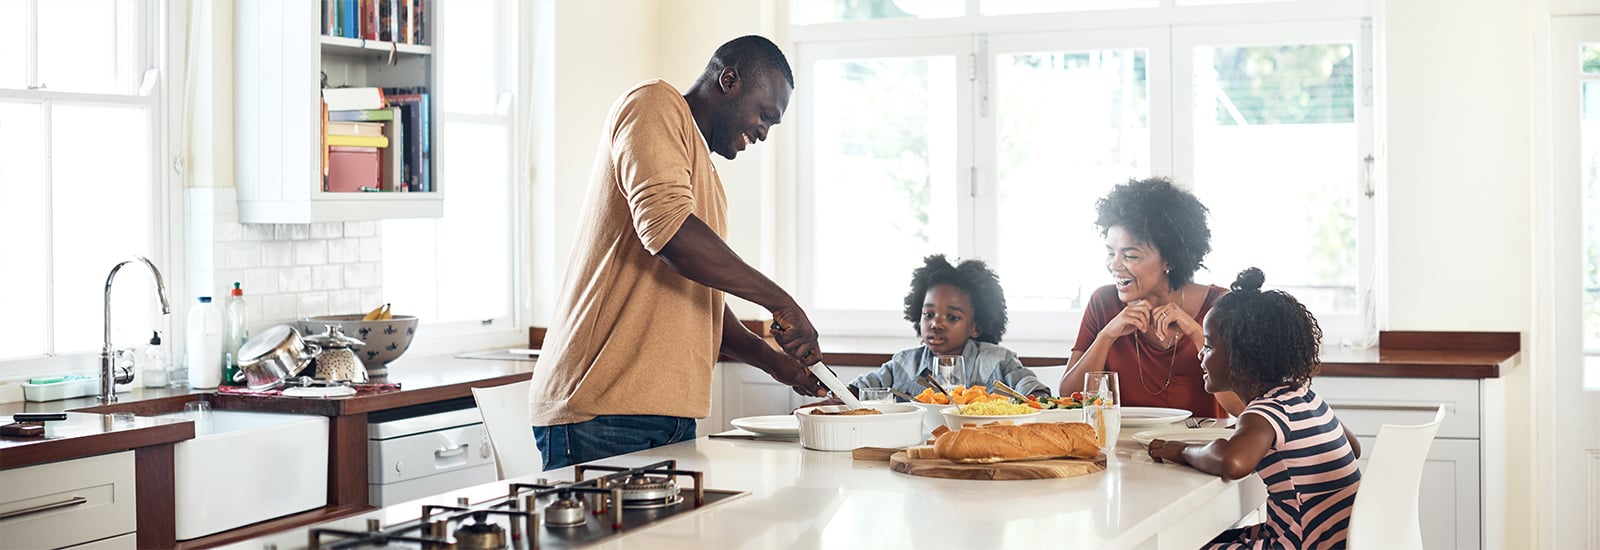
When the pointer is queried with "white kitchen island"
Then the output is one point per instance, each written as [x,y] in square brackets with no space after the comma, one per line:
[800,498]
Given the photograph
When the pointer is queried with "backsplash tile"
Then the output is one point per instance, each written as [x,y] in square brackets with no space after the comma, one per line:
[287,271]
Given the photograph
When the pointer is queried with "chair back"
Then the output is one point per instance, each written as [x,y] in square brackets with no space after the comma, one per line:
[505,418]
[1385,514]
[1050,376]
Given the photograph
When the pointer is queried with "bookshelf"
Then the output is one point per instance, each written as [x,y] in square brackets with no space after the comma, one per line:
[281,58]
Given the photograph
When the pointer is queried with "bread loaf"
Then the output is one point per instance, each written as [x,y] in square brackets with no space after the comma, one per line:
[1008,442]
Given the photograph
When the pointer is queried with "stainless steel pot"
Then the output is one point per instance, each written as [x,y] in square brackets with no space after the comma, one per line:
[272,356]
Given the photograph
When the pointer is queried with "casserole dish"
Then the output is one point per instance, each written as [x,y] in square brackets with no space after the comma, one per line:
[898,425]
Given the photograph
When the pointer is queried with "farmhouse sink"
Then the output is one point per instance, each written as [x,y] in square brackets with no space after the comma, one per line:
[246,467]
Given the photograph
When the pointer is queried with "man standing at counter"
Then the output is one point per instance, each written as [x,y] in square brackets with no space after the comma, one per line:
[640,319]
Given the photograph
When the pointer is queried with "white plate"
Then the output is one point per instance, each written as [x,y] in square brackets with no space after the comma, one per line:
[783,424]
[1136,417]
[1186,435]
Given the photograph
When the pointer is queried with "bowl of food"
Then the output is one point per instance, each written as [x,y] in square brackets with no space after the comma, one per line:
[382,340]
[988,412]
[838,428]
[1060,409]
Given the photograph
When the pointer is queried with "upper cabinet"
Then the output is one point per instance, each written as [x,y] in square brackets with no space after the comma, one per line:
[288,169]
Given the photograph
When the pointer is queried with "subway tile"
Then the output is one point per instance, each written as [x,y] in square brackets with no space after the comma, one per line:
[360,229]
[221,284]
[256,231]
[311,252]
[332,230]
[293,231]
[371,249]
[371,298]
[344,251]
[260,281]
[311,303]
[294,279]
[360,275]
[277,253]
[241,255]
[344,302]
[278,308]
[226,231]
[327,277]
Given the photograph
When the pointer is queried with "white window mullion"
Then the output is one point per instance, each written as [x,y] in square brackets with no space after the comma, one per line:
[48,231]
[33,45]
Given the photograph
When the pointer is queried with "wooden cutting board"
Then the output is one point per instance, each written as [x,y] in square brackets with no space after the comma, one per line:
[1030,469]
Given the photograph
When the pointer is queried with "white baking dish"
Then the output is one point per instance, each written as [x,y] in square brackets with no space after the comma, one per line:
[900,425]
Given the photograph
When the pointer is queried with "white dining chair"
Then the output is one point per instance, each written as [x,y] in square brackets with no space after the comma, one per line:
[505,417]
[1385,514]
[1050,376]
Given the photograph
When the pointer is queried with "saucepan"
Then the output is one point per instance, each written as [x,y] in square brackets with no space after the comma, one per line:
[272,356]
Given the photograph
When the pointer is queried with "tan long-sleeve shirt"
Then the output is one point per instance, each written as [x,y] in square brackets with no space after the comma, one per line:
[630,335]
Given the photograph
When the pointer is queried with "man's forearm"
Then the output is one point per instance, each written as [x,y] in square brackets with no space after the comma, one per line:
[697,253]
[739,343]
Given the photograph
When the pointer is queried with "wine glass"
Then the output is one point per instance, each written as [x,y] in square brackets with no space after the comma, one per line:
[950,369]
[1103,406]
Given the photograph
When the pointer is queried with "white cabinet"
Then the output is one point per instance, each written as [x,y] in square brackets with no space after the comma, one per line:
[70,502]
[749,391]
[1451,496]
[280,57]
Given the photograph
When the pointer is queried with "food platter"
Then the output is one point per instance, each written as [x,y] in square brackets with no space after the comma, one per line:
[783,425]
[1136,417]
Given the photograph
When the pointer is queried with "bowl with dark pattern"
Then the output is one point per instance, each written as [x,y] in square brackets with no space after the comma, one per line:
[382,341]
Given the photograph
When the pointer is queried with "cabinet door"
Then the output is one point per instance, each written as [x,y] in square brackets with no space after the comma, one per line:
[1448,499]
[749,391]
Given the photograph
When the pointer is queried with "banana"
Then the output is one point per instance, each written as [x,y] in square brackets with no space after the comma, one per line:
[375,314]
[387,314]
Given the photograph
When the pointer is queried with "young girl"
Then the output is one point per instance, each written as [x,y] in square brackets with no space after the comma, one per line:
[1263,347]
[957,310]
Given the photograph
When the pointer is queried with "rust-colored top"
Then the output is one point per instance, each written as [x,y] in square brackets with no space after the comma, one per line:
[1143,369]
[630,335]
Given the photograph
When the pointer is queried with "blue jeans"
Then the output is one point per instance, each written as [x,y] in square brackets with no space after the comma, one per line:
[563,445]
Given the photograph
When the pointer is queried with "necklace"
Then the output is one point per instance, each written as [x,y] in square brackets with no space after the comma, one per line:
[1172,363]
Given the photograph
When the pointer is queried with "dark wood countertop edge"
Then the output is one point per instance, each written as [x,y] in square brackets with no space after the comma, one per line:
[366,404]
[92,445]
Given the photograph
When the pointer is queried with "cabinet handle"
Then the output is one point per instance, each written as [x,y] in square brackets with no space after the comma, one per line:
[74,501]
[1391,406]
[450,451]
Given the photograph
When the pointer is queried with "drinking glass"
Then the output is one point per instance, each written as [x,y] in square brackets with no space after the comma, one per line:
[950,369]
[876,395]
[200,413]
[1103,406]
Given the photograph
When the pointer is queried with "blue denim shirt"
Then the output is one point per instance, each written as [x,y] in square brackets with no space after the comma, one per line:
[985,363]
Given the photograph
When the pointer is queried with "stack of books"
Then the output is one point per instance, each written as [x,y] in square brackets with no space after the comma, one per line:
[375,140]
[399,21]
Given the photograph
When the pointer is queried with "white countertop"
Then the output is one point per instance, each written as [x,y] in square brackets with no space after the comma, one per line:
[812,499]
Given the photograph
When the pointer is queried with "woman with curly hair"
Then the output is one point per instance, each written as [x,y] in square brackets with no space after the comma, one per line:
[957,310]
[1263,347]
[1146,324]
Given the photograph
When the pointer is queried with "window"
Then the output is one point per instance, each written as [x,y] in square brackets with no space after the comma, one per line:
[79,186]
[996,143]
[458,271]
[1589,186]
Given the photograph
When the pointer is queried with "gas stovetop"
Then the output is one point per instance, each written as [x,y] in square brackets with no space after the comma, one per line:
[543,514]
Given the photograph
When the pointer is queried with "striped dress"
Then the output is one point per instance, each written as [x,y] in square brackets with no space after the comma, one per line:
[1310,474]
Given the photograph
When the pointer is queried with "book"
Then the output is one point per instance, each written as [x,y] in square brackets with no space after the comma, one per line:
[336,140]
[355,128]
[414,107]
[352,169]
[352,99]
[391,163]
[363,115]
[369,20]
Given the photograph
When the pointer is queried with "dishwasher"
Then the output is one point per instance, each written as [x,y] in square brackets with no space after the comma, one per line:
[424,450]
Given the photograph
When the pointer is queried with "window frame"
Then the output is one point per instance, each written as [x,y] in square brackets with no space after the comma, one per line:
[145,84]
[1102,29]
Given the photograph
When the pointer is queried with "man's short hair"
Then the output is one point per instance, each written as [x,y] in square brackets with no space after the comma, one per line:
[753,56]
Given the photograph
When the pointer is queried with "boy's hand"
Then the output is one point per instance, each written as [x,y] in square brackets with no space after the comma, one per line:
[1171,451]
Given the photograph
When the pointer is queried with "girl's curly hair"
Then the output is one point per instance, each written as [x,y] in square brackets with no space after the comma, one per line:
[1158,213]
[1272,338]
[971,276]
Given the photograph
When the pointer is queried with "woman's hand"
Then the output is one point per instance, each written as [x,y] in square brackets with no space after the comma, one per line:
[1171,451]
[1134,317]
[1171,321]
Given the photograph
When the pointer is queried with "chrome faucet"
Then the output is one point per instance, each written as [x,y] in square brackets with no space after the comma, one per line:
[109,378]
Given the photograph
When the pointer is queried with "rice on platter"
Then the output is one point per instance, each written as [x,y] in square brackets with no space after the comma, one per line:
[995,408]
